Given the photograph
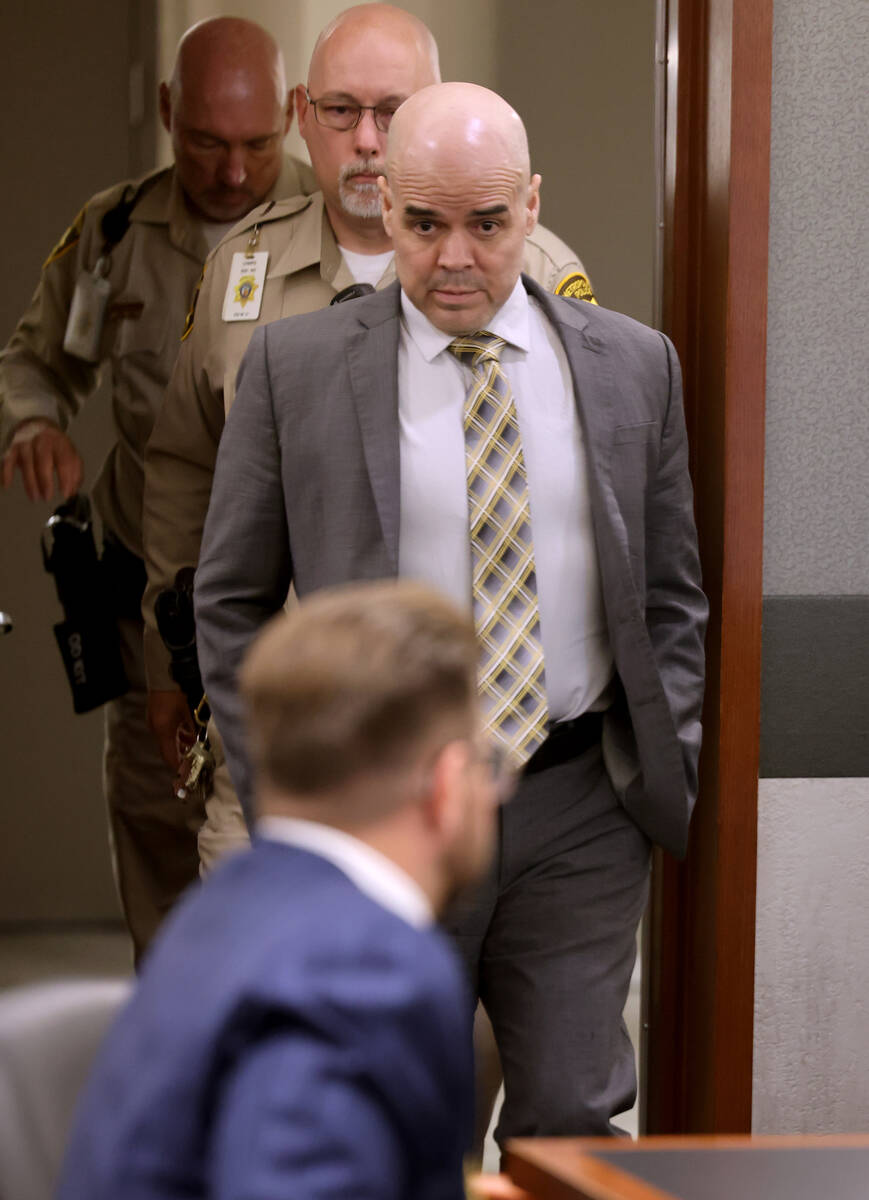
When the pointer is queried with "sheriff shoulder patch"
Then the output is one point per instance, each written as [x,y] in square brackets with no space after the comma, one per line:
[576,286]
[67,242]
[191,312]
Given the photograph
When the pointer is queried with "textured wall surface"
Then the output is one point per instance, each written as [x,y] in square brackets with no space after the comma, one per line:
[811,1069]
[817,447]
[811,1058]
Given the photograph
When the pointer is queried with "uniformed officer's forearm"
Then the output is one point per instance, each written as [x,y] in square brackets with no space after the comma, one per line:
[41,452]
[157,658]
[28,400]
[170,722]
[37,376]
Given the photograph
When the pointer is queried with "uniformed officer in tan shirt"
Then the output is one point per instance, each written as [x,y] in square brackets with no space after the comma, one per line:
[288,257]
[227,110]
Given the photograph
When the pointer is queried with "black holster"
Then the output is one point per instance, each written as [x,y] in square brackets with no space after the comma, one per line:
[88,636]
[173,609]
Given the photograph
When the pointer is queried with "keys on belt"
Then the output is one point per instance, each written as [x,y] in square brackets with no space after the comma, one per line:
[196,769]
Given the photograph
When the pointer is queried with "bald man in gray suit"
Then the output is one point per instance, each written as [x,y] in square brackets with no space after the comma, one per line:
[526,454]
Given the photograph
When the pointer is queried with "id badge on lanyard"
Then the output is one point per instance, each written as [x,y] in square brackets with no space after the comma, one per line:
[244,291]
[87,313]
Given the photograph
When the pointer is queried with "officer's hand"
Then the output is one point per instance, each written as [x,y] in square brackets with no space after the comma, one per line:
[171,724]
[40,451]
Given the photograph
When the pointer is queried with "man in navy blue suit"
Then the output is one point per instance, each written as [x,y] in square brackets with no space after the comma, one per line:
[301,1028]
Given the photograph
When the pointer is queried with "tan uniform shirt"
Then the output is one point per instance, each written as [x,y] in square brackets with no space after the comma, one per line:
[154,269]
[305,270]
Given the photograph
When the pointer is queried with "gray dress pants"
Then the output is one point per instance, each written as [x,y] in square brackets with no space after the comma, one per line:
[549,940]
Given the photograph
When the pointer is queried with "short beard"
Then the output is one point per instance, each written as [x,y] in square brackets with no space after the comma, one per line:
[365,201]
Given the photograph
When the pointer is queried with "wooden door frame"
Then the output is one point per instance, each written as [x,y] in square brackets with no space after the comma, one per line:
[699,977]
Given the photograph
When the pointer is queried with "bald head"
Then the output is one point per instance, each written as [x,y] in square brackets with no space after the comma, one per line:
[223,53]
[383,22]
[458,122]
[227,110]
[458,202]
[370,58]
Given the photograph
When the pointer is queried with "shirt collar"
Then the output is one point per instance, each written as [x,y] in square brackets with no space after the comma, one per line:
[512,322]
[373,873]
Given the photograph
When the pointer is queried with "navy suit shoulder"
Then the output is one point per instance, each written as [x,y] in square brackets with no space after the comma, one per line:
[278,950]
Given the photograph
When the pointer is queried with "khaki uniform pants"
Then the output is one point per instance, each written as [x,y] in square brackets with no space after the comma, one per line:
[152,834]
[224,831]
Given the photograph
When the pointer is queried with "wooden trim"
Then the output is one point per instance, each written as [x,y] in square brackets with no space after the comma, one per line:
[549,1169]
[571,1169]
[568,1147]
[700,966]
[589,1179]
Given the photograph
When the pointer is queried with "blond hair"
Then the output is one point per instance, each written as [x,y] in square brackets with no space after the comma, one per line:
[354,680]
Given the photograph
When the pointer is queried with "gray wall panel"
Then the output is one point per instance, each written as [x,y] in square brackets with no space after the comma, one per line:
[815,687]
[811,1023]
[817,436]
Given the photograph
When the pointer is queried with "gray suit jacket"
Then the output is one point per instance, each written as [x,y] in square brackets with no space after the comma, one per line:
[306,490]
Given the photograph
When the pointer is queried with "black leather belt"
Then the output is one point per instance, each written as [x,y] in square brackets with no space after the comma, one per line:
[566,740]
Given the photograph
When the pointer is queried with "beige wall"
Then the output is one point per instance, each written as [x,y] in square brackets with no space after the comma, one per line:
[580,73]
[462,27]
[70,136]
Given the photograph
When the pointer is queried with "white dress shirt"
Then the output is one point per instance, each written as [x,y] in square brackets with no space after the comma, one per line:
[366,268]
[434,542]
[382,880]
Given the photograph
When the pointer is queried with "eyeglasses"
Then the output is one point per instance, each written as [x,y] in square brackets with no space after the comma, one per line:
[338,114]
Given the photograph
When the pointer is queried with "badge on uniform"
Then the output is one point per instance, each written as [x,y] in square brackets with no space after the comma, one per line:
[70,238]
[244,292]
[576,285]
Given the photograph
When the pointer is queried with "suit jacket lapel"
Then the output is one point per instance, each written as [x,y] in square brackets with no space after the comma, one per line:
[597,398]
[372,353]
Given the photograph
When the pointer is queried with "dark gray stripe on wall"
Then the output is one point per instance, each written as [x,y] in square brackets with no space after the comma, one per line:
[814,708]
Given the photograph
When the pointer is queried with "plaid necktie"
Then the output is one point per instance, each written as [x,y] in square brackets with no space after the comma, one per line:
[504,585]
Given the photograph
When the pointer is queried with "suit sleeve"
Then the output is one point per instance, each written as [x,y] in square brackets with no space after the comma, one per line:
[296,1120]
[179,470]
[245,567]
[676,608]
